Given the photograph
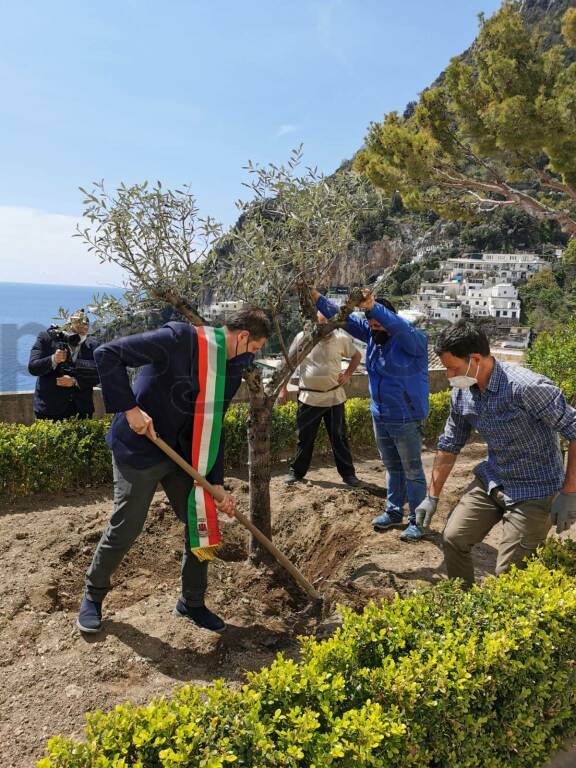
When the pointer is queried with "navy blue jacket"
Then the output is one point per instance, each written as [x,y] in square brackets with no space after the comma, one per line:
[397,370]
[52,400]
[166,387]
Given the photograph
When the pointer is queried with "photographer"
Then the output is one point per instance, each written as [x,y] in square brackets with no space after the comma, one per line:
[63,361]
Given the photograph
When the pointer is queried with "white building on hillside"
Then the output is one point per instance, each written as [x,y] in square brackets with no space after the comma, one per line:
[451,311]
[499,301]
[494,267]
[221,310]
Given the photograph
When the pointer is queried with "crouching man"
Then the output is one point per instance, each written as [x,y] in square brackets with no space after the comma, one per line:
[187,378]
[522,484]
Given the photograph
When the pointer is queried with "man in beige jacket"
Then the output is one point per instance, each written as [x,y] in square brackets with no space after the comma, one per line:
[321,397]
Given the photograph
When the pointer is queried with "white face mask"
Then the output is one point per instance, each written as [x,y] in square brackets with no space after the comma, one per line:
[465,381]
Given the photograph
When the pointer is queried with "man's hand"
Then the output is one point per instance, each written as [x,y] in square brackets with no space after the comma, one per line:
[367,302]
[425,512]
[302,285]
[344,377]
[139,422]
[563,511]
[66,381]
[282,396]
[60,356]
[228,503]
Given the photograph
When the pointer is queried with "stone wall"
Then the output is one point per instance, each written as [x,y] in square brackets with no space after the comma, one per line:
[16,407]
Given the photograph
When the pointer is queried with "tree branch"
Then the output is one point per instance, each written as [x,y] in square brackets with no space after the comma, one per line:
[525,201]
[307,306]
[490,204]
[281,340]
[309,340]
[547,180]
[179,303]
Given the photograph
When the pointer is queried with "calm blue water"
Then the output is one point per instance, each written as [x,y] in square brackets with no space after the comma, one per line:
[25,310]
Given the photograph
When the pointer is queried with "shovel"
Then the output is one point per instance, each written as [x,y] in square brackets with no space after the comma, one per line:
[217,494]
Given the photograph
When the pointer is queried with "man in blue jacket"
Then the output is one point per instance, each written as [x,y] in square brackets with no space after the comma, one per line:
[397,366]
[162,399]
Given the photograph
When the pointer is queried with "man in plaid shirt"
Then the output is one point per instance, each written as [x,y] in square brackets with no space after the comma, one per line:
[522,483]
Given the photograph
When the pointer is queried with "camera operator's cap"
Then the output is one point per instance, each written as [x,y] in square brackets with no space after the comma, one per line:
[79,316]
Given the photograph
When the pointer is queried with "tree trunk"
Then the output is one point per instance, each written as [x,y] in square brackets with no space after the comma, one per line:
[259,428]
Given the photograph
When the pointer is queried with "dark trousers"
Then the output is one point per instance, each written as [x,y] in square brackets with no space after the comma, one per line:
[70,411]
[133,493]
[308,420]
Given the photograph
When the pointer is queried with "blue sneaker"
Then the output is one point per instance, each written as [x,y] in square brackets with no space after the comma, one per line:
[201,616]
[411,533]
[386,520]
[90,616]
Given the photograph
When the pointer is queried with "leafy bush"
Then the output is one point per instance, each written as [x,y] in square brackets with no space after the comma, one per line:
[553,354]
[443,678]
[53,456]
[64,455]
[559,555]
[439,410]
[283,433]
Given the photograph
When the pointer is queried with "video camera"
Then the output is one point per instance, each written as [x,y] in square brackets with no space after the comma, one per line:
[60,336]
[64,340]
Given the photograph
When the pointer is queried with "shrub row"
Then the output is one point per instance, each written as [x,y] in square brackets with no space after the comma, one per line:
[56,456]
[283,433]
[53,456]
[443,678]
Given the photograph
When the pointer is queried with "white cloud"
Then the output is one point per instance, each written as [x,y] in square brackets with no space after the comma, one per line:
[326,25]
[38,247]
[286,128]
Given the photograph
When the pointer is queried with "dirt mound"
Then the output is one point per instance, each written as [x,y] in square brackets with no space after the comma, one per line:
[52,674]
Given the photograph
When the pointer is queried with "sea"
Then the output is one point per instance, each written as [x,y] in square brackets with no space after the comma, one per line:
[25,310]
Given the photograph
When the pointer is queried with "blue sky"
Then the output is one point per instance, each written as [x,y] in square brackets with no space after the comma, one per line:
[188,92]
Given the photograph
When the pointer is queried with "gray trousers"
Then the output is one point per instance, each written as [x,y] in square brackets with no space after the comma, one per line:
[133,493]
[524,527]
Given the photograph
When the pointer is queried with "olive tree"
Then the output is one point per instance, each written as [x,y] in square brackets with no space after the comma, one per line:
[292,229]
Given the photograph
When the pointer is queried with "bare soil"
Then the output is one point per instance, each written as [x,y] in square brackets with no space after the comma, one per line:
[52,674]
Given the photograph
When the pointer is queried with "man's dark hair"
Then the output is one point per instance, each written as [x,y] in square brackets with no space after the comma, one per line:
[253,320]
[463,339]
[385,303]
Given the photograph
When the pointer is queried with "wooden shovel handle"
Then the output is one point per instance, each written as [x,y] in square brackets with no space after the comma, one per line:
[219,496]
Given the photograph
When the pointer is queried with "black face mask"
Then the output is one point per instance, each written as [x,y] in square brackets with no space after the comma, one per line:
[245,359]
[379,337]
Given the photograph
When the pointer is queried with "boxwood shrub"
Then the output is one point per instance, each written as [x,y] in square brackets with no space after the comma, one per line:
[444,678]
[65,455]
[53,456]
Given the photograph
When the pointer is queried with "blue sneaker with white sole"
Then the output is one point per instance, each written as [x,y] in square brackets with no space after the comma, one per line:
[411,533]
[386,520]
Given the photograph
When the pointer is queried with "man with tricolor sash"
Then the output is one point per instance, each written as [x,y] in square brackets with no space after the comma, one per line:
[187,377]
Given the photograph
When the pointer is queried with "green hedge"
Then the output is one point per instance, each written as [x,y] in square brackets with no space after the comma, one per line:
[444,678]
[358,421]
[53,456]
[58,456]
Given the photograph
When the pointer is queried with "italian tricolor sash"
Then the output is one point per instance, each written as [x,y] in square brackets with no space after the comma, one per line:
[207,427]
